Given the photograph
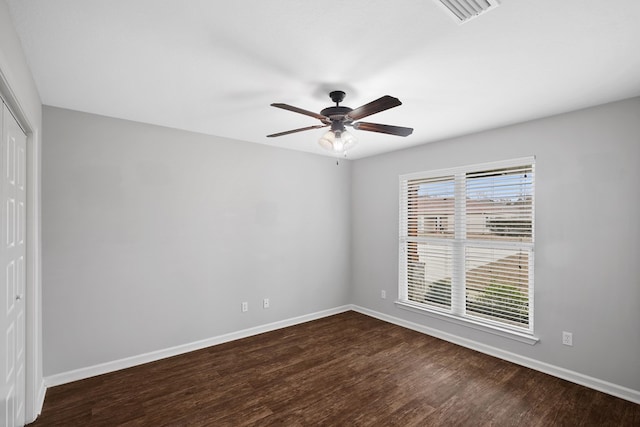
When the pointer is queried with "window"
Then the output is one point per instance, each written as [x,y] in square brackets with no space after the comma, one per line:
[466,243]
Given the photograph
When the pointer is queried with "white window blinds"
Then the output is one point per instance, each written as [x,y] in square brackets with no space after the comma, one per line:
[466,242]
[499,204]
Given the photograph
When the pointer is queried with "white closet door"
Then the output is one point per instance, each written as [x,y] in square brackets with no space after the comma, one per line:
[12,258]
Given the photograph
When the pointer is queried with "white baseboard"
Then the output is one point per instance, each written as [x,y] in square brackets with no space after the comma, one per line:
[575,377]
[116,365]
[566,374]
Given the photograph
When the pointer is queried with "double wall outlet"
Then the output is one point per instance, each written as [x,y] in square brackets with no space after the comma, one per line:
[245,305]
[383,294]
[567,338]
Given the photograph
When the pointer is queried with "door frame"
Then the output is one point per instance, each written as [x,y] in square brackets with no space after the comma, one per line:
[35,388]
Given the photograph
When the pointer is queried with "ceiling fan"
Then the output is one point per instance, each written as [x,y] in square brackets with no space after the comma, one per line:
[338,140]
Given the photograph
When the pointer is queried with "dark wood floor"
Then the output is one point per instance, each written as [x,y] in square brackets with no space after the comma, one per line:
[343,370]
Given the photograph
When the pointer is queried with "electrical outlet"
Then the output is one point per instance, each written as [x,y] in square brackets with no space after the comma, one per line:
[567,338]
[383,294]
[245,307]
[265,303]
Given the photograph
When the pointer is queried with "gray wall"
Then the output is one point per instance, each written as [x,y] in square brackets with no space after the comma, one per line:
[587,252]
[152,237]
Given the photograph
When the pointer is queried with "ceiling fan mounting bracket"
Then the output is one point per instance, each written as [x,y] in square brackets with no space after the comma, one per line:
[337,96]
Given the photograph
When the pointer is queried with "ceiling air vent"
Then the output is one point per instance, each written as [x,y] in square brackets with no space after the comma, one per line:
[465,10]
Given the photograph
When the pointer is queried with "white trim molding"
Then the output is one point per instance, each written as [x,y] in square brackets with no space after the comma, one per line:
[505,333]
[556,371]
[42,392]
[129,362]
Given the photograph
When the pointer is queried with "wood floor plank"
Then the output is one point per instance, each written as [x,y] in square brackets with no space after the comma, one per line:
[343,370]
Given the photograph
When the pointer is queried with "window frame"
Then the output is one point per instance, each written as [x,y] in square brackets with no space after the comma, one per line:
[459,244]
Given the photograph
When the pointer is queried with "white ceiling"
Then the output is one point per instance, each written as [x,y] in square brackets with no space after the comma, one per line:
[215,66]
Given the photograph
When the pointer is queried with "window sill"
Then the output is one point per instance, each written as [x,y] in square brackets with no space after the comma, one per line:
[505,333]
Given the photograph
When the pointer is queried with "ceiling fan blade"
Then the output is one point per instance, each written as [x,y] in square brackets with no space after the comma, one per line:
[300,110]
[373,107]
[391,130]
[296,130]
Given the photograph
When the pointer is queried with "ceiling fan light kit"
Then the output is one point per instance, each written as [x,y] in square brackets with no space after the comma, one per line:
[338,140]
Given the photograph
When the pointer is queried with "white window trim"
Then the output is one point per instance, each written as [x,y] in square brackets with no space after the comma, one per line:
[485,326]
[469,323]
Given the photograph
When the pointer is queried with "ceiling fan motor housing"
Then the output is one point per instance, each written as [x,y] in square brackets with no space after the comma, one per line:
[336,113]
